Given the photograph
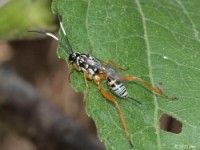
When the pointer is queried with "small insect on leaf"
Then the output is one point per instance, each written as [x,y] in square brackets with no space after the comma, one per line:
[98,71]
[157,45]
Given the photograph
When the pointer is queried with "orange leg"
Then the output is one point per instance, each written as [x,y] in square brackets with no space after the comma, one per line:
[73,67]
[107,62]
[155,90]
[112,99]
[86,76]
[70,73]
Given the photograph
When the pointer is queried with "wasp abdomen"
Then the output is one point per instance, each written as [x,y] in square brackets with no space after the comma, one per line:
[117,87]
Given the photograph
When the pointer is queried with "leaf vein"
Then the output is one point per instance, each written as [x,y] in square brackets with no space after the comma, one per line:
[150,70]
[196,33]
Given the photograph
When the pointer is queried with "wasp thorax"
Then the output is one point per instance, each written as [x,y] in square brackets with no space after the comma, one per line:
[73,57]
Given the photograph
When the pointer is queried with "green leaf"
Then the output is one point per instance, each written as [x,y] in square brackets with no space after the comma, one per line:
[159,41]
[18,16]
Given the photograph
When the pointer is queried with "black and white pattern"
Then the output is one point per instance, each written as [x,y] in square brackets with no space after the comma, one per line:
[117,87]
[84,63]
[91,65]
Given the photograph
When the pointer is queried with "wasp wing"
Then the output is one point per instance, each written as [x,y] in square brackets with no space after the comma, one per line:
[108,69]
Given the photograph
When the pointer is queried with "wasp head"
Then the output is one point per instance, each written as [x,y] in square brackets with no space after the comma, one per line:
[73,57]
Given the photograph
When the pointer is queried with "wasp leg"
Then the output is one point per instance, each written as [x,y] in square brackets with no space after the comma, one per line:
[72,68]
[112,99]
[70,73]
[155,90]
[86,76]
[115,65]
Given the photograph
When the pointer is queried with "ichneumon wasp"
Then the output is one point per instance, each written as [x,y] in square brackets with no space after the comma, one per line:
[97,70]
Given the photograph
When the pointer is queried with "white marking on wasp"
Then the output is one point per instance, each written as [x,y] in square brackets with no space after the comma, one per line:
[53,36]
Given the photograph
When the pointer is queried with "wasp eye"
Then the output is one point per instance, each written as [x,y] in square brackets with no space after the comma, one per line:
[71,58]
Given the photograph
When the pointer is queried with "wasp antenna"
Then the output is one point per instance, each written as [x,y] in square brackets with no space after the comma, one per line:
[50,35]
[64,33]
[61,25]
[45,33]
[135,100]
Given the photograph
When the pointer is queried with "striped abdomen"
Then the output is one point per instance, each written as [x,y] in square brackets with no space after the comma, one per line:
[117,87]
